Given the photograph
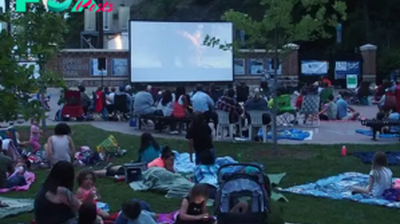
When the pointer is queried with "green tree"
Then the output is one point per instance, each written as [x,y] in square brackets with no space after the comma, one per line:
[14,79]
[280,26]
[40,34]
[37,37]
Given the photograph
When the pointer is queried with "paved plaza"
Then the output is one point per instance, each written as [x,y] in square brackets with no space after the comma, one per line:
[326,133]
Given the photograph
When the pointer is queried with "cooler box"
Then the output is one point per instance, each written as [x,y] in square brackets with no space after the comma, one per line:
[133,171]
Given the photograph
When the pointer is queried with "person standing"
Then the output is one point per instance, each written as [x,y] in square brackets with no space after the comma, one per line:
[200,137]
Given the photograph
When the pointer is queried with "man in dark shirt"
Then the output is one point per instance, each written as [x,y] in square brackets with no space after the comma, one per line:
[199,136]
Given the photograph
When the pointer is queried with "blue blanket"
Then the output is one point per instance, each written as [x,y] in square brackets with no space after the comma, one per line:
[393,158]
[182,162]
[339,187]
[291,134]
[369,133]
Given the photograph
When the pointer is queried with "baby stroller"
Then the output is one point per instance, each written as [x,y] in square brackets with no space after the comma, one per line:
[72,107]
[240,183]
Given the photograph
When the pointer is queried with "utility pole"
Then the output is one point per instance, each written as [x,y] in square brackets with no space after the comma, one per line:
[274,92]
[7,9]
[100,39]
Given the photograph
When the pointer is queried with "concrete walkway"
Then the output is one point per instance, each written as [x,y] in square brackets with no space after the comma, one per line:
[326,133]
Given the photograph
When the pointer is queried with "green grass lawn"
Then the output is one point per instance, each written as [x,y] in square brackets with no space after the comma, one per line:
[302,163]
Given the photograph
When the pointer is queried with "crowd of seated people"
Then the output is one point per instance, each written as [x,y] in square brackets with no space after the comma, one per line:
[176,105]
[331,107]
[103,101]
[57,202]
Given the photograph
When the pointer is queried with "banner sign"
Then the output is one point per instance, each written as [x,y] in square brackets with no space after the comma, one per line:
[314,67]
[344,68]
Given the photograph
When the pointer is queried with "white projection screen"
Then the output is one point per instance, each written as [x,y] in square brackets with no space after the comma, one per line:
[174,52]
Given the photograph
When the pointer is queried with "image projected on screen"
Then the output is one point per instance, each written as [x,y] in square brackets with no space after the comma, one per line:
[174,52]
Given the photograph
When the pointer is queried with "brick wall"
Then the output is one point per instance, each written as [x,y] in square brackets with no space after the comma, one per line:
[75,66]
[368,52]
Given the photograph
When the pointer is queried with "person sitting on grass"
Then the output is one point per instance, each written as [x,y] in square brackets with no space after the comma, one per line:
[136,212]
[18,178]
[60,146]
[329,110]
[207,173]
[343,109]
[166,160]
[87,191]
[193,208]
[55,202]
[149,148]
[380,177]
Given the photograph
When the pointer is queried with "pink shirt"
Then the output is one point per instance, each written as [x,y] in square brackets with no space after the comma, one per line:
[35,132]
[156,163]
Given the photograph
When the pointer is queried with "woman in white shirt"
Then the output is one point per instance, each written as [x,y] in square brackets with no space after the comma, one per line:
[166,103]
[60,146]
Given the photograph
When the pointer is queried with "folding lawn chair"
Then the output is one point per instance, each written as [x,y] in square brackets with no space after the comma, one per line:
[309,109]
[285,110]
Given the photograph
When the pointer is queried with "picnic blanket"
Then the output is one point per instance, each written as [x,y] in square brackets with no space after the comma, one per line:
[162,180]
[370,133]
[393,158]
[339,187]
[29,177]
[15,206]
[182,162]
[291,134]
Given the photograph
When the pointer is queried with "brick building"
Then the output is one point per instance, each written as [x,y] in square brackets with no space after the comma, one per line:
[80,65]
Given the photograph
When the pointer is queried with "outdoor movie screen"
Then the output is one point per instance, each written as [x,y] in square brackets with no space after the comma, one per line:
[174,52]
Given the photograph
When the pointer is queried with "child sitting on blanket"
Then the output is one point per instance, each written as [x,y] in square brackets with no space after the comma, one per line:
[149,149]
[193,208]
[87,191]
[19,177]
[136,212]
[380,177]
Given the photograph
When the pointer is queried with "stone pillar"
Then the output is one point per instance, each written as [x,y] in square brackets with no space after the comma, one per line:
[368,52]
[290,61]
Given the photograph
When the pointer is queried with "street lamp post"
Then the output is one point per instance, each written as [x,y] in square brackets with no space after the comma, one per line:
[274,91]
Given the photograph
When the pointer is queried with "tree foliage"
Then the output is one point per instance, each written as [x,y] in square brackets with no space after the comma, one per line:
[37,37]
[280,21]
[40,33]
